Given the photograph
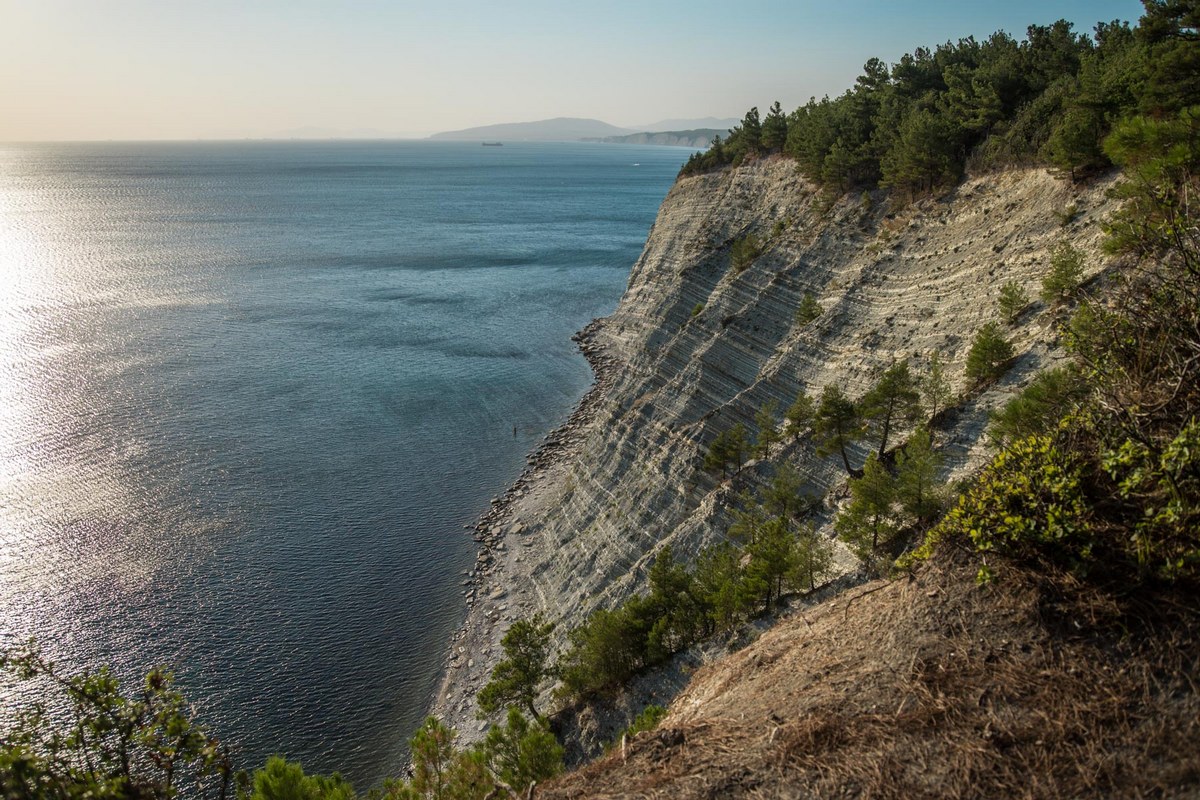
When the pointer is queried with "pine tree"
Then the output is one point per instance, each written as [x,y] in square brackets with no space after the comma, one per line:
[774,129]
[917,468]
[783,497]
[729,447]
[813,558]
[809,310]
[894,399]
[1066,270]
[517,678]
[1013,300]
[768,435]
[799,416]
[838,425]
[520,752]
[990,353]
[935,387]
[772,555]
[868,524]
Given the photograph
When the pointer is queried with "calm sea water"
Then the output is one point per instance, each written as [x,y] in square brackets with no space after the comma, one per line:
[251,392]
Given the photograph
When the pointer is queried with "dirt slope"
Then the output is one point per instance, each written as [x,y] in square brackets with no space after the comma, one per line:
[933,687]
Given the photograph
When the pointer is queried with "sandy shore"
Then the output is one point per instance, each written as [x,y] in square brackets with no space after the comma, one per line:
[498,590]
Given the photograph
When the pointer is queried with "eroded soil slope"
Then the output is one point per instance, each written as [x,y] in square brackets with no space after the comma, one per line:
[931,686]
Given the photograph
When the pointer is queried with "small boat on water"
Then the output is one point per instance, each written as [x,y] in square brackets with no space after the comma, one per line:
[493,144]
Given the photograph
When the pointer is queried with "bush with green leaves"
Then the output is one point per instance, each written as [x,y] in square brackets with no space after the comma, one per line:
[1164,482]
[1029,504]
[989,355]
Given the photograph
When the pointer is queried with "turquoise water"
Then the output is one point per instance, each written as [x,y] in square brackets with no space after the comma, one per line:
[251,392]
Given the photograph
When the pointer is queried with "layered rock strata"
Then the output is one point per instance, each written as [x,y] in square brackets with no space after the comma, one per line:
[696,346]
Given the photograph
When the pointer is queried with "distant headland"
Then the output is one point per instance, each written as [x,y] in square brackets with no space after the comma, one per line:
[677,132]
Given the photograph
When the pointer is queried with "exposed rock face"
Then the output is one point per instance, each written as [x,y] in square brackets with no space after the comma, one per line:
[904,287]
[892,286]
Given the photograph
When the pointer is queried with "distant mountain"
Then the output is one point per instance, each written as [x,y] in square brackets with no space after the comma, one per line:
[560,129]
[722,125]
[697,137]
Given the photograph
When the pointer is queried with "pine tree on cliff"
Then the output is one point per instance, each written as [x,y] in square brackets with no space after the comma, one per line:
[525,666]
[767,433]
[799,416]
[774,129]
[837,426]
[729,447]
[894,399]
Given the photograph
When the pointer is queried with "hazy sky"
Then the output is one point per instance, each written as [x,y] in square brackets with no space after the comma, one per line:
[169,69]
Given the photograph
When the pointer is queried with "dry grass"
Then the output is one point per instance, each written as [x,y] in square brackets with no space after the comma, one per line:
[933,687]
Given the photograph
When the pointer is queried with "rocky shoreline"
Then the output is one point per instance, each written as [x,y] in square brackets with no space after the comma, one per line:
[493,590]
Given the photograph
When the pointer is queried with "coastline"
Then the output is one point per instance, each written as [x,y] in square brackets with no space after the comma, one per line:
[497,591]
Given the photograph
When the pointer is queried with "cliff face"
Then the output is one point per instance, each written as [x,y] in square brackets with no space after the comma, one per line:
[892,285]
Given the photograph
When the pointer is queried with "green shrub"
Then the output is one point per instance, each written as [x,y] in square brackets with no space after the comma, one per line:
[696,309]
[1067,215]
[989,354]
[1028,504]
[1165,483]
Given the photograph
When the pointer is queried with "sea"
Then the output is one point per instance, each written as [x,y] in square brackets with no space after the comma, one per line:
[252,392]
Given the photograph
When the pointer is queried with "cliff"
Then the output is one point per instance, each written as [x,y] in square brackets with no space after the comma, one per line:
[694,347]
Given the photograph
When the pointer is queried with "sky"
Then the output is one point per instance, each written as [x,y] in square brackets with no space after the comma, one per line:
[219,69]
